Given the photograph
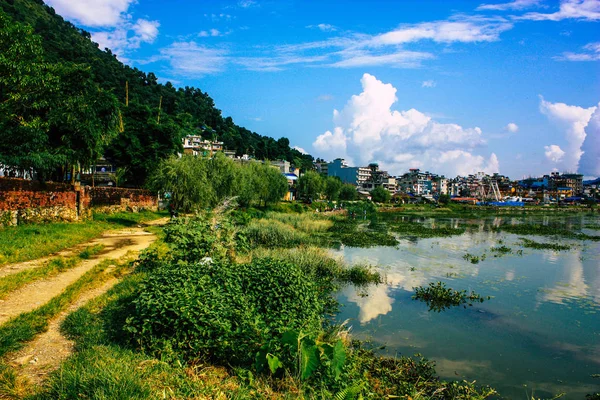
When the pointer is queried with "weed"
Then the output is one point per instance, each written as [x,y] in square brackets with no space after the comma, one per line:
[91,251]
[439,297]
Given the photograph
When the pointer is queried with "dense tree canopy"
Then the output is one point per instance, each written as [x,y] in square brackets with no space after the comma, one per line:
[52,115]
[193,183]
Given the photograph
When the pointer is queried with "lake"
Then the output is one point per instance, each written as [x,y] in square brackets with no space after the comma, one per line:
[540,332]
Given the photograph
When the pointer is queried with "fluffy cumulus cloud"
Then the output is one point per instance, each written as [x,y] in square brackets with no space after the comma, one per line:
[589,163]
[429,84]
[300,149]
[554,153]
[368,130]
[512,127]
[573,120]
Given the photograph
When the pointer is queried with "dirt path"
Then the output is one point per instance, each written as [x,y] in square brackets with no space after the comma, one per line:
[116,245]
[10,269]
[48,350]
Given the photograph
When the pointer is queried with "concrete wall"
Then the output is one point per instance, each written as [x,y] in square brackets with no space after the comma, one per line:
[25,201]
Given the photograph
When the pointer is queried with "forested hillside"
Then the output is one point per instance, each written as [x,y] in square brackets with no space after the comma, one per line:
[139,140]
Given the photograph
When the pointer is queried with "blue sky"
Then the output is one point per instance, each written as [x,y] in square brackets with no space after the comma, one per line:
[453,87]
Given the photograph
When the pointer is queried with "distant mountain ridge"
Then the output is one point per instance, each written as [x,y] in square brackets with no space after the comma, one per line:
[183,111]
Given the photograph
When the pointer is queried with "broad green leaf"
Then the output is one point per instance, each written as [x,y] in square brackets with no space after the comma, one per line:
[310,360]
[274,363]
[339,358]
[290,337]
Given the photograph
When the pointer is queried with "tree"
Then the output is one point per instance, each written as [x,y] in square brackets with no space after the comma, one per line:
[310,186]
[381,195]
[52,114]
[333,185]
[185,180]
[444,199]
[348,192]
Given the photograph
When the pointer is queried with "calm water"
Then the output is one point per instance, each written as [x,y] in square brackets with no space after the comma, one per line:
[540,332]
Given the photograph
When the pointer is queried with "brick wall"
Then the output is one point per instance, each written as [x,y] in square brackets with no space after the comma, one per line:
[23,201]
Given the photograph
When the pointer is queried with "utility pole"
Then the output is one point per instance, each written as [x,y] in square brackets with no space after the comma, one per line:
[159,107]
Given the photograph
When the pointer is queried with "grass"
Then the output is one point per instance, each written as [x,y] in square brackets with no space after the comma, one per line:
[307,222]
[24,327]
[50,268]
[532,244]
[90,251]
[28,242]
[272,233]
[319,263]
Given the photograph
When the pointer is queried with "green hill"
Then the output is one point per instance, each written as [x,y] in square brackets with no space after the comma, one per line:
[141,141]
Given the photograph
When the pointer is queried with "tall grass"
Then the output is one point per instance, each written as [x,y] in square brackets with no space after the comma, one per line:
[319,263]
[307,222]
[271,233]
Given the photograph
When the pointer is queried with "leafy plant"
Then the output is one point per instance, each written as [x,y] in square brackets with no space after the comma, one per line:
[439,297]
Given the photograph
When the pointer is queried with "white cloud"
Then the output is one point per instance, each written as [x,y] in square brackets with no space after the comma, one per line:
[573,119]
[351,50]
[323,27]
[554,153]
[512,127]
[368,130]
[247,3]
[588,10]
[511,5]
[190,59]
[400,58]
[300,149]
[429,84]
[589,164]
[591,53]
[325,97]
[458,29]
[146,31]
[106,13]
[212,32]
[127,36]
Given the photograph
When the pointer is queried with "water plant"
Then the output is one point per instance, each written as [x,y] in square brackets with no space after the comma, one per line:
[473,258]
[546,230]
[532,244]
[439,297]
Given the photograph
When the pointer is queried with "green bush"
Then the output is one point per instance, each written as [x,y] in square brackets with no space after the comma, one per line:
[223,312]
[192,239]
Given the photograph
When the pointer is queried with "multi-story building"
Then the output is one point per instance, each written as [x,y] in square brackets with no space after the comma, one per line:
[322,168]
[198,146]
[353,175]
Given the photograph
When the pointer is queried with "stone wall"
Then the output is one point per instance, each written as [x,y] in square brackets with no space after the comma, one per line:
[25,201]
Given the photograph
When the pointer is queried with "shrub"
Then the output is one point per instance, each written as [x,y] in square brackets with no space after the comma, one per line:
[223,312]
[201,236]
